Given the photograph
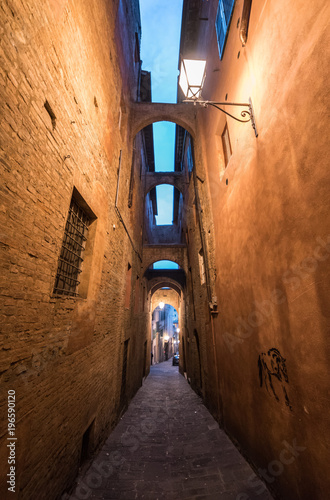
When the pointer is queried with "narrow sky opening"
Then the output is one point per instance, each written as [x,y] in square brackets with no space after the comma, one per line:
[161,27]
[165,208]
[165,264]
[164,146]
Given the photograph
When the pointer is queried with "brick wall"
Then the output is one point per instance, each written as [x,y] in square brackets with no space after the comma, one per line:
[64,356]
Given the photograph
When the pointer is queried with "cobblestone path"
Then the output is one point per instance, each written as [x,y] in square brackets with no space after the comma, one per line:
[168,446]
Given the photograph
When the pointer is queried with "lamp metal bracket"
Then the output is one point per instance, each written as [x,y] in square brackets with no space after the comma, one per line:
[246,114]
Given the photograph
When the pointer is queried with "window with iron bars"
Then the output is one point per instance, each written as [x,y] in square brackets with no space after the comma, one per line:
[72,251]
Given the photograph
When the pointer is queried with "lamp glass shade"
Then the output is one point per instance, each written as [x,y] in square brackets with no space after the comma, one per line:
[183,82]
[192,77]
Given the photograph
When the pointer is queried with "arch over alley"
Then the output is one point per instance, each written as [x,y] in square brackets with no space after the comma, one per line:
[143,114]
[176,179]
[175,253]
[157,283]
[168,296]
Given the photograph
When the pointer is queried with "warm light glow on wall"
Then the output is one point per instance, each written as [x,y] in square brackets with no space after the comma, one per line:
[191,81]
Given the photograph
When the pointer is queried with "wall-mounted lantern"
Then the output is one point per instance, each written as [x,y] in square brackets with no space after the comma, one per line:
[191,81]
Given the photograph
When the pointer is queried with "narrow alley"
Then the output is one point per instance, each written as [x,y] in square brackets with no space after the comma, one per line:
[164,195]
[168,446]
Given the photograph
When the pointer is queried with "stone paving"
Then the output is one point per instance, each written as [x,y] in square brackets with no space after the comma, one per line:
[168,446]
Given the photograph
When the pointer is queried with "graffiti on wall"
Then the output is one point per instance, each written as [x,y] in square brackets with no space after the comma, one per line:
[273,374]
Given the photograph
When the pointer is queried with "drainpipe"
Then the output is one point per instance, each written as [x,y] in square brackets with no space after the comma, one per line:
[118,212]
[243,31]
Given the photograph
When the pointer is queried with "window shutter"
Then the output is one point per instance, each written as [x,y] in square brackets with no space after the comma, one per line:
[228,8]
[224,13]
[219,24]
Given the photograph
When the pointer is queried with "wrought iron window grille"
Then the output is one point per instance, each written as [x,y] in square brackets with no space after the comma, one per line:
[71,256]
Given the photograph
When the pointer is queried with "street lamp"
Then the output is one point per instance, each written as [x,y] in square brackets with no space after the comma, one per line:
[161,305]
[191,81]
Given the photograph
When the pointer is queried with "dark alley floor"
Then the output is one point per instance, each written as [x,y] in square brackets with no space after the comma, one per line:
[168,446]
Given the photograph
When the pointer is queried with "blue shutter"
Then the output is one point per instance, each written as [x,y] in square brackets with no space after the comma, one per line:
[228,8]
[224,13]
[219,29]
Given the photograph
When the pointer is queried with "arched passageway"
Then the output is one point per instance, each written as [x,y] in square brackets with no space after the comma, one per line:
[164,329]
[168,313]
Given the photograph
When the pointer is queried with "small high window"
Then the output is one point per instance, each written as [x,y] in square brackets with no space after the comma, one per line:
[225,10]
[128,286]
[201,267]
[74,241]
[227,152]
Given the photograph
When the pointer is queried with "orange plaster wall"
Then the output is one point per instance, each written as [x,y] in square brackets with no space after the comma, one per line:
[272,236]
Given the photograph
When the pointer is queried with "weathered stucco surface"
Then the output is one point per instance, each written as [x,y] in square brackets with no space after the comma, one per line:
[271,221]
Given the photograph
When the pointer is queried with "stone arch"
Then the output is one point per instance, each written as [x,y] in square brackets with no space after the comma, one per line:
[143,114]
[175,253]
[170,297]
[157,283]
[175,179]
[167,257]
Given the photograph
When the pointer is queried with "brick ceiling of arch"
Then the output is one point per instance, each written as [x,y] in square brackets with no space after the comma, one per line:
[175,253]
[176,275]
[156,283]
[170,297]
